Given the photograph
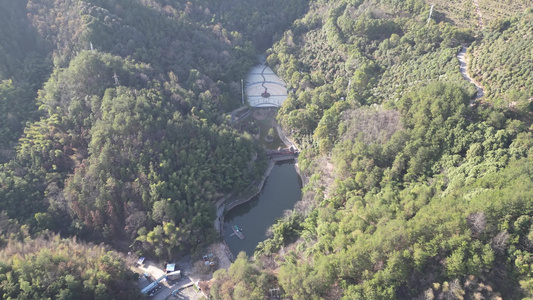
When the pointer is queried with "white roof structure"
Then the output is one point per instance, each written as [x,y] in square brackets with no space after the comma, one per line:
[170,268]
[259,78]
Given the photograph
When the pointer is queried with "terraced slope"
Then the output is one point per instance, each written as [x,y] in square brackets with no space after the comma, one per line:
[503,62]
[464,13]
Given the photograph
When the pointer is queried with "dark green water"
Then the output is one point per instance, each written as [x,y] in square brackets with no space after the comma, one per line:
[281,191]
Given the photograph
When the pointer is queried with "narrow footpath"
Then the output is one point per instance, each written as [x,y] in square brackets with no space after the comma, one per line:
[463,68]
[479,15]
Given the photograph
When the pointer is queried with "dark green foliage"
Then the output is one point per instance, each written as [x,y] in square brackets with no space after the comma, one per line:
[23,69]
[22,51]
[161,35]
[16,107]
[130,150]
[133,140]
[463,227]
[413,192]
[282,232]
[259,21]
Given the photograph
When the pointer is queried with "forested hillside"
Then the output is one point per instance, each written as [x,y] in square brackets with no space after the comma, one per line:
[502,61]
[115,140]
[23,68]
[51,268]
[417,191]
[467,13]
[114,128]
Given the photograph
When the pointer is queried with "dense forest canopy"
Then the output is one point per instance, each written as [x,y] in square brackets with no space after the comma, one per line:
[51,268]
[503,63]
[418,190]
[113,120]
[114,129]
[127,132]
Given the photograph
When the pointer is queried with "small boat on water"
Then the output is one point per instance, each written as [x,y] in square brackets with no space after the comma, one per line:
[237,231]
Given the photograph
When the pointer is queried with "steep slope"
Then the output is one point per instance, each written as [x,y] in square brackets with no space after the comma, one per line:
[24,67]
[48,267]
[477,14]
[413,192]
[503,61]
[132,146]
[430,196]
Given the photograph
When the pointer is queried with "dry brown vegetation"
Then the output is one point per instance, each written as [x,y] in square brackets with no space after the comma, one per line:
[371,125]
[49,267]
[464,14]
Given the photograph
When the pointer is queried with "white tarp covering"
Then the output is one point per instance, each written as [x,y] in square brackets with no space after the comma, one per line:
[276,87]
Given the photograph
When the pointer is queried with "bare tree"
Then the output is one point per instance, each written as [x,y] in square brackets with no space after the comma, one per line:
[452,291]
[477,222]
[307,203]
[371,124]
[456,291]
[499,242]
[426,295]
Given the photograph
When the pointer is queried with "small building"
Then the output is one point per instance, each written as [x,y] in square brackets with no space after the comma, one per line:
[170,268]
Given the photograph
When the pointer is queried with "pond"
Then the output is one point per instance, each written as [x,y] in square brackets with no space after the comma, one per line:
[281,191]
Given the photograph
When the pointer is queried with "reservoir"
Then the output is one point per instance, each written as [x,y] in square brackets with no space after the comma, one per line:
[281,191]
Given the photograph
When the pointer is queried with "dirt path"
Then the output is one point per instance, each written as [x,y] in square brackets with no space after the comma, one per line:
[479,15]
[463,68]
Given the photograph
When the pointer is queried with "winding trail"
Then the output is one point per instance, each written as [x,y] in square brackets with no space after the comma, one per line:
[463,68]
[479,15]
